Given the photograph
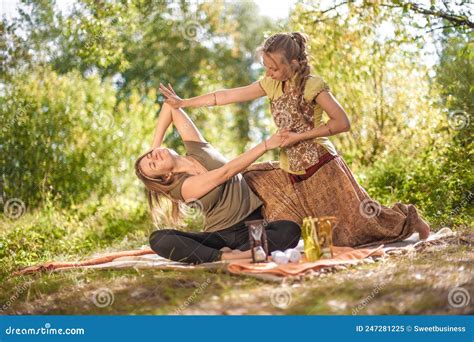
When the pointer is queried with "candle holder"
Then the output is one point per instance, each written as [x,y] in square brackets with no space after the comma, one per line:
[258,240]
[317,237]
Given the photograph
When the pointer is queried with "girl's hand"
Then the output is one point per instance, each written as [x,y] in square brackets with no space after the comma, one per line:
[276,139]
[171,98]
[289,138]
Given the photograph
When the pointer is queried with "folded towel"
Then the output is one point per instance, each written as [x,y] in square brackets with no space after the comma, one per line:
[342,256]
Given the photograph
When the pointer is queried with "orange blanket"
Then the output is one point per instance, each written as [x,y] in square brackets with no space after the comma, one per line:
[342,256]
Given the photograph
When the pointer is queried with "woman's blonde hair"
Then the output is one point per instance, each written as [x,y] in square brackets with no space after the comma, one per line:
[291,46]
[158,191]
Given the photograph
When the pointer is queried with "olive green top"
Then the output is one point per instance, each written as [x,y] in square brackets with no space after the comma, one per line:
[226,204]
[313,86]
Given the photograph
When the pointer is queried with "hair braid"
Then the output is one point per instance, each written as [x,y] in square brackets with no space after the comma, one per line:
[303,68]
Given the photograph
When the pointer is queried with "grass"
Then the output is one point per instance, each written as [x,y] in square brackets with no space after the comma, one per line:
[417,283]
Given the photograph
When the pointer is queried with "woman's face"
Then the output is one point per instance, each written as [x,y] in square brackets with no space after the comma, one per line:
[275,67]
[158,162]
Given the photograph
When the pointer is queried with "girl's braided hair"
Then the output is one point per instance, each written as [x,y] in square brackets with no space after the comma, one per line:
[291,46]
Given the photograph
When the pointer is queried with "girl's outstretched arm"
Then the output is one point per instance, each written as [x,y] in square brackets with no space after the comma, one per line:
[216,98]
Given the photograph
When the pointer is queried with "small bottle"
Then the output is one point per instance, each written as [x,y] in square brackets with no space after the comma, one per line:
[311,245]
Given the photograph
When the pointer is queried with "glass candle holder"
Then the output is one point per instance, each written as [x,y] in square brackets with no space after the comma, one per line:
[317,237]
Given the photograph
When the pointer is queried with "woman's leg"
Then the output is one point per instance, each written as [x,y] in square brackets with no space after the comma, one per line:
[281,235]
[187,247]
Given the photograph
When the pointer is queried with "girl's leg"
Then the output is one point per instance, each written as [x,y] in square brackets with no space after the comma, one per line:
[187,247]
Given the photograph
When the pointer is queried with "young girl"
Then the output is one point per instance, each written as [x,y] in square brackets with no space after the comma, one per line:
[206,177]
[312,178]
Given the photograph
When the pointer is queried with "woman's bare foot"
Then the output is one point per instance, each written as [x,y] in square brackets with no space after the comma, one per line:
[235,255]
[421,226]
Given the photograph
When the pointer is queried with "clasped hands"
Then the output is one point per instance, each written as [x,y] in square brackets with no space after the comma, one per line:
[283,138]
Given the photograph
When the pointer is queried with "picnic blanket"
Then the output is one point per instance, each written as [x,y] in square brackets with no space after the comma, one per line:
[146,258]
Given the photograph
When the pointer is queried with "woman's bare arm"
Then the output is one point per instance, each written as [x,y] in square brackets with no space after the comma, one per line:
[216,98]
[195,187]
[185,126]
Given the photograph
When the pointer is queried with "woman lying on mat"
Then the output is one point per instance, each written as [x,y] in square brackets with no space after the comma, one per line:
[205,177]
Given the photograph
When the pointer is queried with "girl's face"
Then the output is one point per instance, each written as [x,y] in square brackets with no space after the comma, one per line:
[158,162]
[276,67]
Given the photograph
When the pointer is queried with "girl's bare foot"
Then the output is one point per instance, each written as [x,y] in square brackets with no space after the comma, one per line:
[421,226]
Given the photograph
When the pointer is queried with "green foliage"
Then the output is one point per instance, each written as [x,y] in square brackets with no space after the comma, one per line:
[73,233]
[69,136]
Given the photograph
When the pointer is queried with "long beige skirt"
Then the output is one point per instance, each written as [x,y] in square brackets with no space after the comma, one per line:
[332,191]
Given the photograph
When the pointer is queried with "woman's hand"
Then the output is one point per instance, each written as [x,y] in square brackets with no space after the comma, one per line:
[276,139]
[289,138]
[171,98]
